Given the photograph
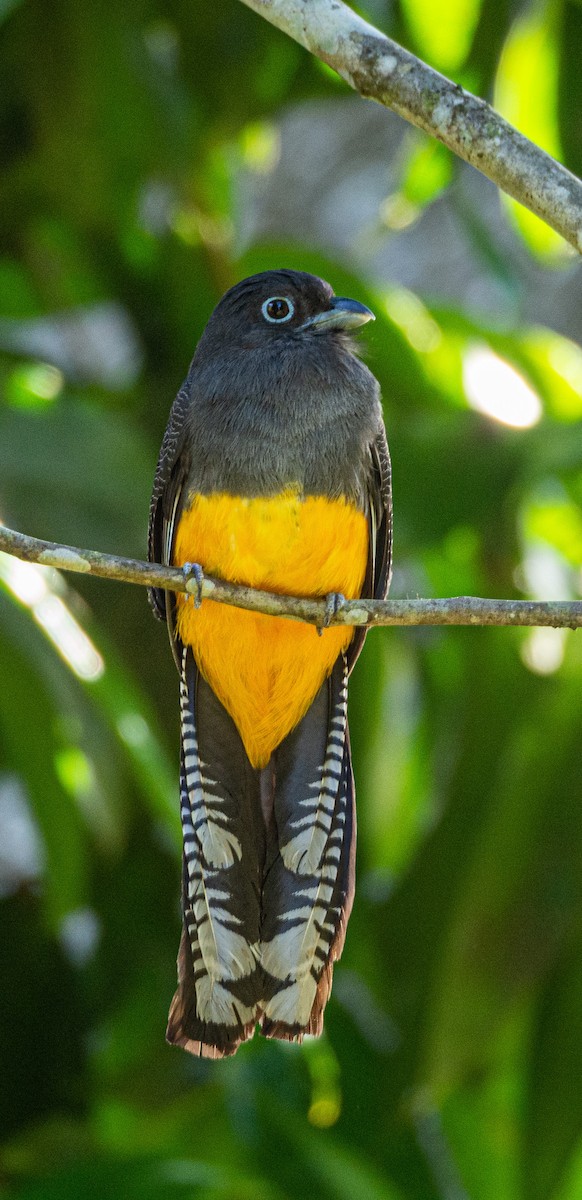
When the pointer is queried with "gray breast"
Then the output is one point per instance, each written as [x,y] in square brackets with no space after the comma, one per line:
[258,423]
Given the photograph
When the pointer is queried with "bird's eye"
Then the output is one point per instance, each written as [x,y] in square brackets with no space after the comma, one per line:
[277,308]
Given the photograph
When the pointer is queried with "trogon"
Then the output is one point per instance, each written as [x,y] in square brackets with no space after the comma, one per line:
[274,473]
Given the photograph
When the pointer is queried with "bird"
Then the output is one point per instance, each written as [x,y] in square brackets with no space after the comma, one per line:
[274,472]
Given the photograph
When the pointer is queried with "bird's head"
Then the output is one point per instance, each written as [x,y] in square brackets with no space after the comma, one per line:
[281,306]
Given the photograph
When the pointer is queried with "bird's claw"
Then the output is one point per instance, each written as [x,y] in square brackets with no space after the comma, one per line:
[334,602]
[194,571]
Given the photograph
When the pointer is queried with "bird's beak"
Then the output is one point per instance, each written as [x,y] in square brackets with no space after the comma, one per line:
[342,314]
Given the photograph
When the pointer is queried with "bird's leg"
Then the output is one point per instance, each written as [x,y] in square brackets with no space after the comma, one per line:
[334,602]
[194,571]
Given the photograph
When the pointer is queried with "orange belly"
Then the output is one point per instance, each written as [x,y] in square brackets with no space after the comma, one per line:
[267,670]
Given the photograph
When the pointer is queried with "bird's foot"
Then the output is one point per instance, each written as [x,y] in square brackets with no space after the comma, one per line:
[334,602]
[193,571]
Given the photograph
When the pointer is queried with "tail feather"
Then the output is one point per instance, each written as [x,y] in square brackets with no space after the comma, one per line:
[216,1004]
[268,874]
[308,892]
[186,1028]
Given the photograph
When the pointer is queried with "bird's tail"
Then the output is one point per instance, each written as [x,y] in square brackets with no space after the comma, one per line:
[216,1005]
[268,875]
[309,877]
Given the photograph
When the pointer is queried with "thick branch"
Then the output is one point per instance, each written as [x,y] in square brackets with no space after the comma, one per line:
[382,70]
[461,610]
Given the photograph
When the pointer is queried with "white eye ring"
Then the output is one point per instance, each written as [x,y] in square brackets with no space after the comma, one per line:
[278,300]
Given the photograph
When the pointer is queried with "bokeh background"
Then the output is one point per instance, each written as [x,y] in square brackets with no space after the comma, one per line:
[153,152]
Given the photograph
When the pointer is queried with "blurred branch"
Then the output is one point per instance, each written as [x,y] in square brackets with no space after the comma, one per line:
[379,69]
[461,610]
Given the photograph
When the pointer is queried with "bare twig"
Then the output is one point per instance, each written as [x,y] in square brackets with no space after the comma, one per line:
[382,70]
[460,610]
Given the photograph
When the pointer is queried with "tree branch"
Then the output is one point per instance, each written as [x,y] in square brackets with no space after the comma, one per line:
[379,69]
[460,610]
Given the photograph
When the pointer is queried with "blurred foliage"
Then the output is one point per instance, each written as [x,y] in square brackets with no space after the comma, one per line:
[451,1065]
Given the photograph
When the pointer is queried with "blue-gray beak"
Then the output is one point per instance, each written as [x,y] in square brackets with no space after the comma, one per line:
[342,314]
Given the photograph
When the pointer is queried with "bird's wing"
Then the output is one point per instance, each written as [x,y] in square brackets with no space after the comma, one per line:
[169,479]
[379,514]
[215,1005]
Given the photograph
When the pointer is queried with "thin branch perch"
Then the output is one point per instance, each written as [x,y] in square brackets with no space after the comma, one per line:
[460,610]
[379,69]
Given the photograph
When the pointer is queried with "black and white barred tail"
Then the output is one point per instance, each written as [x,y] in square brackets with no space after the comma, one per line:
[309,884]
[268,872]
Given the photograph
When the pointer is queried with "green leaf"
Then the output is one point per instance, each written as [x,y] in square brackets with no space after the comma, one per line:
[526,94]
[427,172]
[88,471]
[144,1178]
[521,898]
[445,43]
[570,86]
[28,720]
[554,1078]
[6,7]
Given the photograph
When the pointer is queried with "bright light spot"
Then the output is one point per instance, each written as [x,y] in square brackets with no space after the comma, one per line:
[33,383]
[193,227]
[543,650]
[559,361]
[411,316]
[556,521]
[494,387]
[326,1097]
[27,582]
[184,223]
[30,585]
[79,934]
[70,640]
[22,856]
[45,382]
[260,145]
[442,35]
[325,1112]
[216,232]
[75,770]
[133,730]
[397,212]
[547,576]
[566,359]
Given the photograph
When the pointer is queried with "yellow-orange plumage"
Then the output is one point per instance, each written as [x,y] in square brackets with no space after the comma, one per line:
[267,670]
